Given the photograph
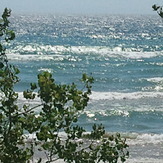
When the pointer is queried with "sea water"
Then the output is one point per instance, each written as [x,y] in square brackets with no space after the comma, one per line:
[124,54]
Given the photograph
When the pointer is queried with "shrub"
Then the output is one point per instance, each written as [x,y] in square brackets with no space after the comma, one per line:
[58,111]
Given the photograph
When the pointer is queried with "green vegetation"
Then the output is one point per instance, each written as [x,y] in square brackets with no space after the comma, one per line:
[58,112]
[158,9]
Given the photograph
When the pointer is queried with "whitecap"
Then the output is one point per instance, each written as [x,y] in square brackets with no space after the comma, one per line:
[146,138]
[124,96]
[48,52]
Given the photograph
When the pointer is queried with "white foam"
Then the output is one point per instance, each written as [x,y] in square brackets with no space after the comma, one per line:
[124,96]
[30,57]
[143,160]
[118,112]
[145,138]
[155,80]
[46,69]
[49,51]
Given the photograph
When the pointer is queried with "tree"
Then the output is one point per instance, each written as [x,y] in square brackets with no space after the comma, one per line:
[158,9]
[58,111]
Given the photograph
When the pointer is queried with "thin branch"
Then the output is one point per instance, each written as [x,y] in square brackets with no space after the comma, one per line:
[47,156]
[55,159]
[29,110]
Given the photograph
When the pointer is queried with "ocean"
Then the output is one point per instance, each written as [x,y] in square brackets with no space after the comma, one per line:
[124,54]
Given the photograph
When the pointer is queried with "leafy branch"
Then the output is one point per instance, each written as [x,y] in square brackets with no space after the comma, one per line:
[158,9]
[58,112]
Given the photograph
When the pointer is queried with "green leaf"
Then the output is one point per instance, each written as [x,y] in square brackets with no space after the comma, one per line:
[1,65]
[33,86]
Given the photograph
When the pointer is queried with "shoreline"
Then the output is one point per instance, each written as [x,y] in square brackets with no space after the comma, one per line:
[139,153]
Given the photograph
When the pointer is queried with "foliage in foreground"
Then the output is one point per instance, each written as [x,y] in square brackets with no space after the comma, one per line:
[57,112]
[158,9]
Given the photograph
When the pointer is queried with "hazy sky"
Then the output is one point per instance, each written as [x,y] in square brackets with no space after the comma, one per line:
[81,6]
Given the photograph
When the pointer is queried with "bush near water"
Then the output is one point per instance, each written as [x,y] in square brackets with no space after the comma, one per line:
[59,108]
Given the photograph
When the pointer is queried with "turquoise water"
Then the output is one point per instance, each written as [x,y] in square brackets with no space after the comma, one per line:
[124,54]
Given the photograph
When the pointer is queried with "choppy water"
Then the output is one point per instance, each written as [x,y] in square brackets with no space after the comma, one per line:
[123,53]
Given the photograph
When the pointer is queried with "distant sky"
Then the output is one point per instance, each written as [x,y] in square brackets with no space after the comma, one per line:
[81,6]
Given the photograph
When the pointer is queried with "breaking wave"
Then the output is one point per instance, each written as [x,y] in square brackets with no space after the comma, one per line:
[58,53]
